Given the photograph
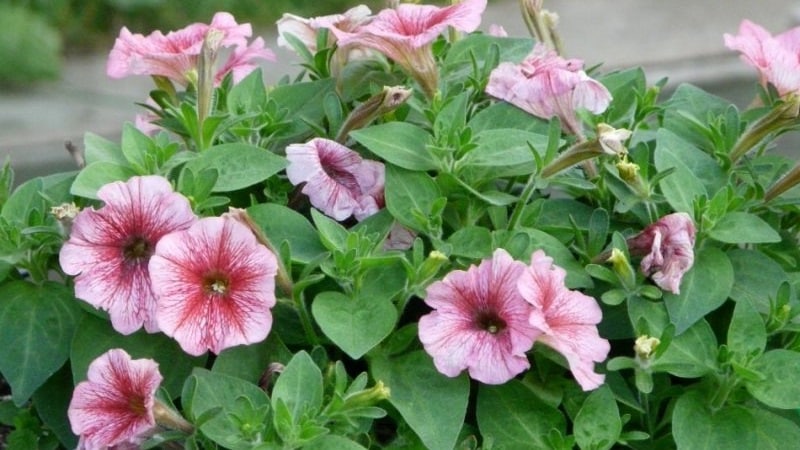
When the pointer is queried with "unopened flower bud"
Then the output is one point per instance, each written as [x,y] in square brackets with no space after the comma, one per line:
[430,267]
[389,99]
[782,117]
[169,418]
[628,171]
[622,267]
[368,397]
[645,346]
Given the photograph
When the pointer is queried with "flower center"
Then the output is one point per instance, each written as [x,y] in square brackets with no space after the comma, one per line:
[216,283]
[137,248]
[136,405]
[490,321]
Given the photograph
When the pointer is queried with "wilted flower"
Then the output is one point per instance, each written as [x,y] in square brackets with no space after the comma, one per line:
[114,406]
[612,140]
[567,319]
[547,85]
[175,54]
[305,30]
[215,286]
[777,58]
[479,322]
[405,33]
[109,248]
[338,181]
[668,246]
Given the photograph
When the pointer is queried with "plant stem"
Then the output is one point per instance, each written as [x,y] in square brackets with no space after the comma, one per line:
[530,186]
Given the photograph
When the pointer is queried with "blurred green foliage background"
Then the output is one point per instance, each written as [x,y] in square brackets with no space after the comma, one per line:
[35,35]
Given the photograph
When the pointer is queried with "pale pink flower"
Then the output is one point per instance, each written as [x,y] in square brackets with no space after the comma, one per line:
[215,286]
[497,30]
[109,248]
[777,58]
[306,29]
[114,406]
[547,85]
[337,180]
[405,33]
[479,322]
[669,248]
[567,319]
[175,54]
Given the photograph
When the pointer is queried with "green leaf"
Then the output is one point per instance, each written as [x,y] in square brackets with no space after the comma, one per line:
[477,46]
[331,442]
[780,386]
[355,325]
[238,165]
[695,427]
[299,387]
[400,143]
[407,192]
[96,175]
[36,327]
[95,336]
[471,242]
[598,425]
[249,362]
[280,223]
[97,148]
[503,152]
[773,431]
[704,288]
[515,418]
[433,405]
[38,194]
[691,354]
[507,116]
[205,391]
[756,278]
[747,335]
[135,146]
[303,103]
[743,228]
[696,174]
[690,111]
[248,95]
[51,401]
[331,233]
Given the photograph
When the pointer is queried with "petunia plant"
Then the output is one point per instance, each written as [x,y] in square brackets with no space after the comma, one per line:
[427,236]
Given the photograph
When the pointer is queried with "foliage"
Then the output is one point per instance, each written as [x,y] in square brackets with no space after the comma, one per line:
[715,364]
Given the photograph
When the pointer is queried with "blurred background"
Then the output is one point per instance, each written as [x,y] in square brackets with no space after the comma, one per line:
[53,86]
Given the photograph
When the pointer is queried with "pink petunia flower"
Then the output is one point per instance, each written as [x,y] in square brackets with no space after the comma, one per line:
[215,286]
[175,55]
[338,181]
[114,406]
[668,246]
[305,30]
[405,33]
[547,85]
[567,319]
[479,322]
[777,58]
[109,248]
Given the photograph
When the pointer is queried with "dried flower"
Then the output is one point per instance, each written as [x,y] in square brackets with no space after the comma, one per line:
[109,248]
[337,180]
[566,319]
[668,246]
[547,85]
[479,322]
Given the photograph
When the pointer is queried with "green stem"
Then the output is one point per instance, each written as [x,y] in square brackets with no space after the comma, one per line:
[305,319]
[784,184]
[530,186]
